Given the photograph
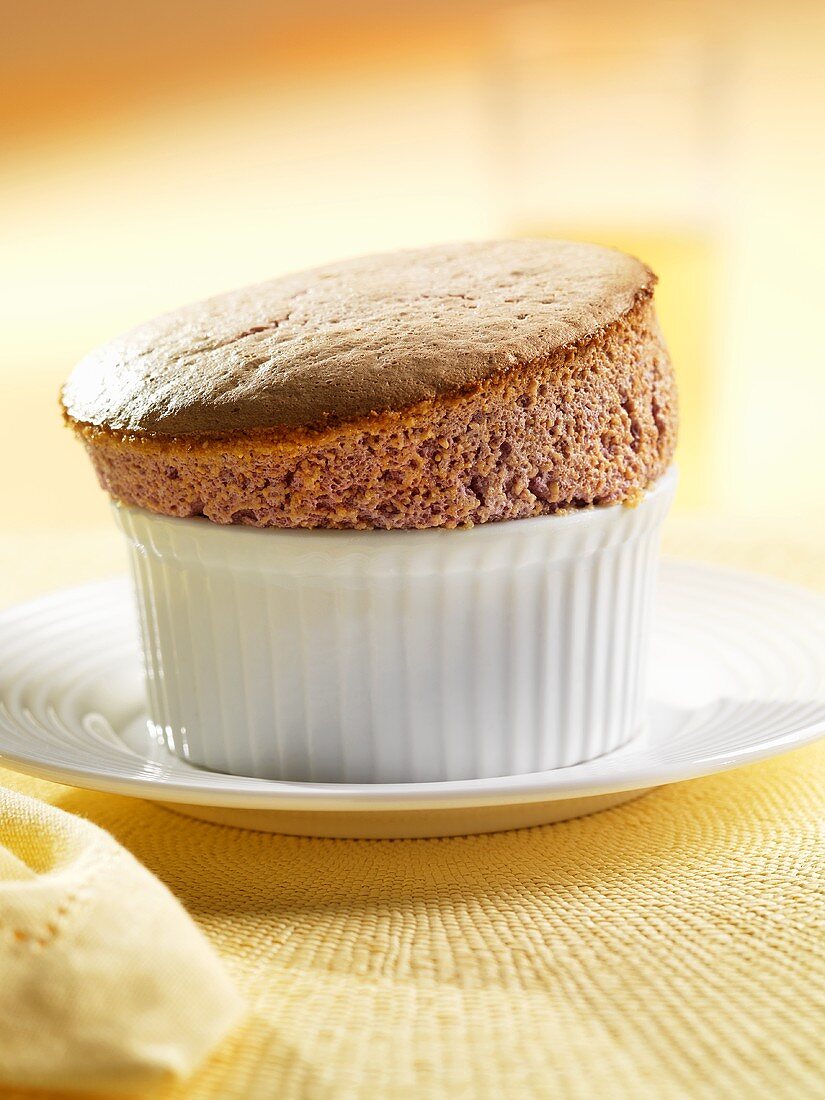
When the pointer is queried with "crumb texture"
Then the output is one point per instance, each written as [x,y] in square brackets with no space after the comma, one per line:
[372,335]
[590,424]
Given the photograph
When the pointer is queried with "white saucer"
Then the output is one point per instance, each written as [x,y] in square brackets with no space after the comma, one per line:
[738,674]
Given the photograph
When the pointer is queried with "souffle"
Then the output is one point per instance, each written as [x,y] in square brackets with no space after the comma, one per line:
[444,387]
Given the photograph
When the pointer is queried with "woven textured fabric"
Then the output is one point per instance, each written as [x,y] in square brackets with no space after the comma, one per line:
[672,947]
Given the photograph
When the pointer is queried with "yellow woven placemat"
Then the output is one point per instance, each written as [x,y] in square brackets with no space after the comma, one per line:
[673,947]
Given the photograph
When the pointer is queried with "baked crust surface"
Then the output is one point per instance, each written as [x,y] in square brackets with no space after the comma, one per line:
[372,335]
[594,423]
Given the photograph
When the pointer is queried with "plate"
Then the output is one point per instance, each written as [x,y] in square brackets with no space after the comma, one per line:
[737,675]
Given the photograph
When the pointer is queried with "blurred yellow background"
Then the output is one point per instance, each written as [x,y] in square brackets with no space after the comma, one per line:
[152,154]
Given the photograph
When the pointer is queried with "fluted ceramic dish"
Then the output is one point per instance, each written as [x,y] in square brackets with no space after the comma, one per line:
[737,674]
[397,656]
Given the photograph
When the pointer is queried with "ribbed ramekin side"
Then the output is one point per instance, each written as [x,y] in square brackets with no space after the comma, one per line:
[464,654]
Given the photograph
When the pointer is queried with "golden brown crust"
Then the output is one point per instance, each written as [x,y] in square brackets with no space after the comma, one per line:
[592,423]
[371,335]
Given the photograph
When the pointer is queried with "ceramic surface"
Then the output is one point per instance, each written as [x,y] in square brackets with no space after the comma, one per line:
[397,656]
[737,674]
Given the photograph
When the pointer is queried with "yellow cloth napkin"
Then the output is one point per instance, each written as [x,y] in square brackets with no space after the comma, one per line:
[105,982]
[672,948]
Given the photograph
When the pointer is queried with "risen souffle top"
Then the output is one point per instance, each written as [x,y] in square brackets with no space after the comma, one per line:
[440,387]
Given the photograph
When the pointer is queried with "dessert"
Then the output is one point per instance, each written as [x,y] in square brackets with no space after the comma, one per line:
[444,387]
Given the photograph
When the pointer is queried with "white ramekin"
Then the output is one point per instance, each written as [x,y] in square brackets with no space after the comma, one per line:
[397,656]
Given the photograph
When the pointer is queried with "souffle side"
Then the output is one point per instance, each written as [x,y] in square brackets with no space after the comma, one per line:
[442,387]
